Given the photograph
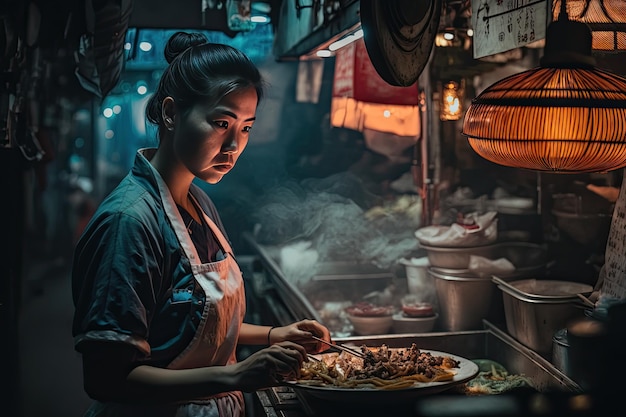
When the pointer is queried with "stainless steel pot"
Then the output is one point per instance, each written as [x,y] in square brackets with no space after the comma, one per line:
[560,351]
[584,228]
[456,257]
[528,258]
[464,299]
[591,361]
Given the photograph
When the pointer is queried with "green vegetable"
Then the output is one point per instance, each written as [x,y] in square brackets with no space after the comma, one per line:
[493,378]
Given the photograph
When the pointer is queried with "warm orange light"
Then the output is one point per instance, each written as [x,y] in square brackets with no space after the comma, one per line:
[451,101]
[551,119]
[361,99]
[605,18]
[565,116]
[358,115]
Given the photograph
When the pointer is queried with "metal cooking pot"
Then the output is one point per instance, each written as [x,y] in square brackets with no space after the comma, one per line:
[584,228]
[464,299]
[560,351]
[590,360]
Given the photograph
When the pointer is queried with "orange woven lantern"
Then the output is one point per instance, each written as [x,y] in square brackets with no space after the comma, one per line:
[605,18]
[565,116]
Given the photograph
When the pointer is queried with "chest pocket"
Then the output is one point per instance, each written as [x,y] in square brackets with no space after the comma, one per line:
[186,304]
[181,296]
[173,328]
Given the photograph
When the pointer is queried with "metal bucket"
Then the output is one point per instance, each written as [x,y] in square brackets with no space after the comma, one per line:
[464,299]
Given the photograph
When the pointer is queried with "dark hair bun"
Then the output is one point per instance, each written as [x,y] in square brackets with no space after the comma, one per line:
[180,41]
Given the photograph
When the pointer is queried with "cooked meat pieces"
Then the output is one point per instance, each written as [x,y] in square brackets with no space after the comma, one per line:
[386,363]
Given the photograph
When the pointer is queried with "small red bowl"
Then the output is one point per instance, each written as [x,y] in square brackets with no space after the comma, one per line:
[365,309]
[418,310]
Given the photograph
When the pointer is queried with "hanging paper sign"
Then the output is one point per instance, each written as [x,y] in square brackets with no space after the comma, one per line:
[343,80]
[356,77]
[613,273]
[503,25]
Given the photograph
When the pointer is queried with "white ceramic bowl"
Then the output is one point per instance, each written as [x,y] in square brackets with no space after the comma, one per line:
[371,325]
[403,324]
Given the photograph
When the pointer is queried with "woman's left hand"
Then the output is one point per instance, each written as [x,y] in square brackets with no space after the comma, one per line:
[301,332]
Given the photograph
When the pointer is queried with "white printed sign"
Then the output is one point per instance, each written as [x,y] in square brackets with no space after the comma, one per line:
[614,271]
[502,25]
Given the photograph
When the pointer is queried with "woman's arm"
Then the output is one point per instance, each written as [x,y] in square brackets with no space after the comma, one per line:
[299,332]
[252,334]
[111,373]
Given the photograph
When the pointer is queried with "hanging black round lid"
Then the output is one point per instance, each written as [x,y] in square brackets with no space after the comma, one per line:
[399,36]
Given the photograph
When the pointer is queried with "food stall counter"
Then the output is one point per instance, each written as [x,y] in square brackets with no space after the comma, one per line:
[489,344]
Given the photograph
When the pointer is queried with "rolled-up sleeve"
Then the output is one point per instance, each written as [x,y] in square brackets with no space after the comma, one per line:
[116,280]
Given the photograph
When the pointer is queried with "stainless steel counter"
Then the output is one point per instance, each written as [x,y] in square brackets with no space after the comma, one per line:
[491,343]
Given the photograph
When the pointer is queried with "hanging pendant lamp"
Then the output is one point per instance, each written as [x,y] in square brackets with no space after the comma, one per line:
[565,116]
[605,18]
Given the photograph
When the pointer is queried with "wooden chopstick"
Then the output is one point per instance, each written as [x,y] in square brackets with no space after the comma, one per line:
[341,347]
[586,301]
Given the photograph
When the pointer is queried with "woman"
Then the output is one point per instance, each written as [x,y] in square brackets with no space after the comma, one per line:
[158,294]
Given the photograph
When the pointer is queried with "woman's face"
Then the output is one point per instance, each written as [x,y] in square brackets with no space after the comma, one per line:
[210,139]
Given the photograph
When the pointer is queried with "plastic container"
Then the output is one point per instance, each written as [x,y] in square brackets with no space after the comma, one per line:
[417,276]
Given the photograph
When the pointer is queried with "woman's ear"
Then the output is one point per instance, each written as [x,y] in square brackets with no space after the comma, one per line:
[168,112]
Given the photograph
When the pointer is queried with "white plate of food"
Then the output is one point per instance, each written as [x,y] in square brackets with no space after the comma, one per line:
[342,377]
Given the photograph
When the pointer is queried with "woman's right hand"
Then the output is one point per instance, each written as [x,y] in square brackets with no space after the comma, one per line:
[269,366]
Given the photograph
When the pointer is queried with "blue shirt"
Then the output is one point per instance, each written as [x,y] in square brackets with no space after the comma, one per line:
[131,282]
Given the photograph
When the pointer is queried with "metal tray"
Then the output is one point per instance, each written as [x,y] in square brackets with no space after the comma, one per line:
[491,343]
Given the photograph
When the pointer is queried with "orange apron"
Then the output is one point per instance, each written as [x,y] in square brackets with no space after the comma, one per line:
[215,341]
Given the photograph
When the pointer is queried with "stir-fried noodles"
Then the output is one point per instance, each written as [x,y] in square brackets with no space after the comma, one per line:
[383,368]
